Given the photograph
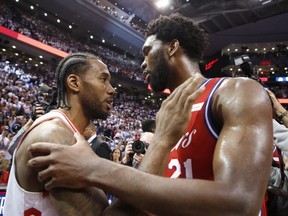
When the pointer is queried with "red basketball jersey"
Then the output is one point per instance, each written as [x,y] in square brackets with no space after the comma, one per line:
[192,157]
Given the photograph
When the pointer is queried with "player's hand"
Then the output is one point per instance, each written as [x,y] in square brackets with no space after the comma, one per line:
[63,166]
[175,113]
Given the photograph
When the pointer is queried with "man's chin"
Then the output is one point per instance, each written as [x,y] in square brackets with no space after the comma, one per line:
[156,89]
[103,115]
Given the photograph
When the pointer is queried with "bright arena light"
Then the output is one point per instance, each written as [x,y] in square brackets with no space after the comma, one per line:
[162,3]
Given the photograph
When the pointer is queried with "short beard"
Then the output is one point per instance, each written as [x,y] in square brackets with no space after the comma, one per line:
[93,110]
[101,115]
[159,76]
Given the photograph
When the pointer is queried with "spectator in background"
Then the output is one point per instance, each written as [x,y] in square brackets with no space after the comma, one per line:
[277,188]
[149,125]
[134,159]
[108,133]
[44,103]
[99,146]
[146,138]
[4,140]
[90,132]
[2,153]
[281,114]
[278,183]
[127,158]
[116,155]
[4,170]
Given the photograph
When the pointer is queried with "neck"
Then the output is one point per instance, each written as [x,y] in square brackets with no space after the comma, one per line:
[183,70]
[78,118]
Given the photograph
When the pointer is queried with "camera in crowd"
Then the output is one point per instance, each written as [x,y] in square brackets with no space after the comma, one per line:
[139,146]
[245,64]
[45,98]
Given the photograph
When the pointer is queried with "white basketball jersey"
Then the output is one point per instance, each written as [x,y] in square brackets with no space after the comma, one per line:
[19,202]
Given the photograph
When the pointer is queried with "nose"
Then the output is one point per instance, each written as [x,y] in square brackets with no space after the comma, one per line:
[143,65]
[111,90]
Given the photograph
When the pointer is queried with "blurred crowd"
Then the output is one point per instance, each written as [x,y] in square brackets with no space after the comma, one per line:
[22,22]
[118,13]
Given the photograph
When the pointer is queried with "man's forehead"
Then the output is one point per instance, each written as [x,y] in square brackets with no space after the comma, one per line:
[97,63]
[99,67]
[149,40]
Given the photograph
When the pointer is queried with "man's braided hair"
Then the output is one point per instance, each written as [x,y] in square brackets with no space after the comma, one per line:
[75,63]
[193,40]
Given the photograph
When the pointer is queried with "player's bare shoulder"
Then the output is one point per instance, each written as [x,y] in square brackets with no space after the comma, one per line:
[48,131]
[53,131]
[239,97]
[241,89]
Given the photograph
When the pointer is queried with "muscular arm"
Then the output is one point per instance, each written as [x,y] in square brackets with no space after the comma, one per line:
[88,201]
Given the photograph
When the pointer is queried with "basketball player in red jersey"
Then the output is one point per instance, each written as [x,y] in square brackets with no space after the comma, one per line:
[218,165]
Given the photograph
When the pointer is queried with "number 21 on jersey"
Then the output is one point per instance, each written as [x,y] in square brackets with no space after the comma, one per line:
[187,166]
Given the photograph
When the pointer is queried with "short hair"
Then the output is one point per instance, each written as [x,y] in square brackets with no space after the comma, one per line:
[76,63]
[4,163]
[148,125]
[193,39]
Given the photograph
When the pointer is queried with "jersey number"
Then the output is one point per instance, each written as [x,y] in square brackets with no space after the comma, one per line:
[174,163]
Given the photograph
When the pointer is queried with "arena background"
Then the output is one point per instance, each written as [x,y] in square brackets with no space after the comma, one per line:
[114,29]
[236,25]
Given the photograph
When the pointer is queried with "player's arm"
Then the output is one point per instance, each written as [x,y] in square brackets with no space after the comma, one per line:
[243,152]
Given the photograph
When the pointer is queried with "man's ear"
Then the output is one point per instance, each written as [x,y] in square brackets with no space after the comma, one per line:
[73,82]
[173,47]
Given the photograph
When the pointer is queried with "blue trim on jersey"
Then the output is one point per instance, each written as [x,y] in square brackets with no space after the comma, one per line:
[274,149]
[208,118]
[204,83]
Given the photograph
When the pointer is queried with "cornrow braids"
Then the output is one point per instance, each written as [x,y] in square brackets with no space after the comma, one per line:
[73,63]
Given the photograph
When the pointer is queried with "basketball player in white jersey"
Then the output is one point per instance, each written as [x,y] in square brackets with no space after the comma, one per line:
[84,94]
